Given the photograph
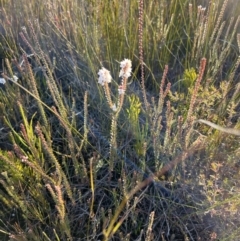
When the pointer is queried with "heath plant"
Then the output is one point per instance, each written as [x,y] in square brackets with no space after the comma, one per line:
[104,79]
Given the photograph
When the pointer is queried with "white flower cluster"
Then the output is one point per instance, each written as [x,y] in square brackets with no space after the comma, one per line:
[14,78]
[2,81]
[121,90]
[125,72]
[104,76]
[126,68]
[114,107]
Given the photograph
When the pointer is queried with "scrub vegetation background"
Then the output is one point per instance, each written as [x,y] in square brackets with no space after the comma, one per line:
[165,165]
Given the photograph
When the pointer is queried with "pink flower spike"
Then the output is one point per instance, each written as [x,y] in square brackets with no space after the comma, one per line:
[126,68]
[104,76]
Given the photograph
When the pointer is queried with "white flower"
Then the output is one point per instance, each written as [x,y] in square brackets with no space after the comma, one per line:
[126,68]
[121,90]
[114,108]
[104,76]
[24,158]
[14,78]
[2,81]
